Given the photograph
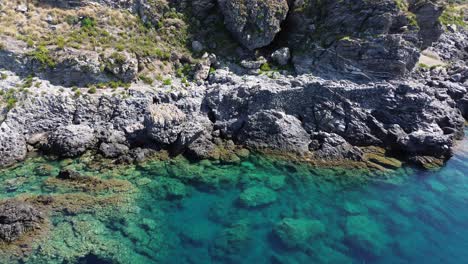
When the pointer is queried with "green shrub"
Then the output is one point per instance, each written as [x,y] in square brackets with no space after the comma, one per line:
[118,58]
[452,15]
[60,42]
[146,79]
[265,67]
[30,43]
[77,93]
[72,20]
[88,22]
[28,82]
[424,66]
[92,90]
[11,102]
[42,55]
[167,81]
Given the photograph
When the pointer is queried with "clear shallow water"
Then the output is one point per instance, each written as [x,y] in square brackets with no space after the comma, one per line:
[259,211]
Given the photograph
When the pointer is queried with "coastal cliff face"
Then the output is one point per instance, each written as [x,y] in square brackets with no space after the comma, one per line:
[322,80]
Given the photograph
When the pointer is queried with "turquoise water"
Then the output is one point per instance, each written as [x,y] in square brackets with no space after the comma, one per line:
[261,210]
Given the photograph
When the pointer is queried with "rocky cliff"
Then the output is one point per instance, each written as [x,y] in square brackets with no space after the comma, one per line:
[324,80]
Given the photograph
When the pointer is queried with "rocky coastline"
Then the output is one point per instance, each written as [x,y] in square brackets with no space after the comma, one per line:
[124,123]
[363,88]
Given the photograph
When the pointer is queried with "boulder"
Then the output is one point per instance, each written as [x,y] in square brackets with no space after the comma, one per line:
[257,196]
[123,65]
[281,56]
[254,23]
[201,8]
[113,149]
[298,233]
[365,234]
[164,123]
[362,39]
[67,174]
[197,46]
[17,218]
[73,67]
[12,146]
[275,130]
[71,140]
[202,69]
[427,16]
[151,11]
[330,146]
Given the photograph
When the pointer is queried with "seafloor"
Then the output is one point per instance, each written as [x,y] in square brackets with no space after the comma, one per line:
[261,210]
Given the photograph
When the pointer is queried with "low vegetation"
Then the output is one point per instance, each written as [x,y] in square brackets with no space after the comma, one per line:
[100,29]
[453,15]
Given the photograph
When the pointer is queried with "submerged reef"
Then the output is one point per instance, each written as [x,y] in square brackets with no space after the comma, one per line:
[257,210]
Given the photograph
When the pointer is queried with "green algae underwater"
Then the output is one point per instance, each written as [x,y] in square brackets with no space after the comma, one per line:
[261,210]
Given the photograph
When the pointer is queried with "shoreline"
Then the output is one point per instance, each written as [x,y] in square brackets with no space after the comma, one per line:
[201,122]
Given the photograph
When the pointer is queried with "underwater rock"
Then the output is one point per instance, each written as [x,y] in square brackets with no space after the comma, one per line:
[436,186]
[231,242]
[386,162]
[366,235]
[257,196]
[354,208]
[169,188]
[406,205]
[67,174]
[18,218]
[296,233]
[45,170]
[276,182]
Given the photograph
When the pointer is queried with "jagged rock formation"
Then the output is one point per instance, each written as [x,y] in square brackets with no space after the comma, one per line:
[351,45]
[70,140]
[18,218]
[362,39]
[12,146]
[254,23]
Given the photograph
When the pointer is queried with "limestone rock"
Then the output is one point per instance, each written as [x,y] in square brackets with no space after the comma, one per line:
[201,8]
[71,140]
[123,65]
[254,23]
[275,130]
[197,46]
[12,146]
[67,174]
[113,150]
[18,218]
[333,147]
[362,39]
[164,123]
[427,16]
[281,56]
[151,11]
[202,69]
